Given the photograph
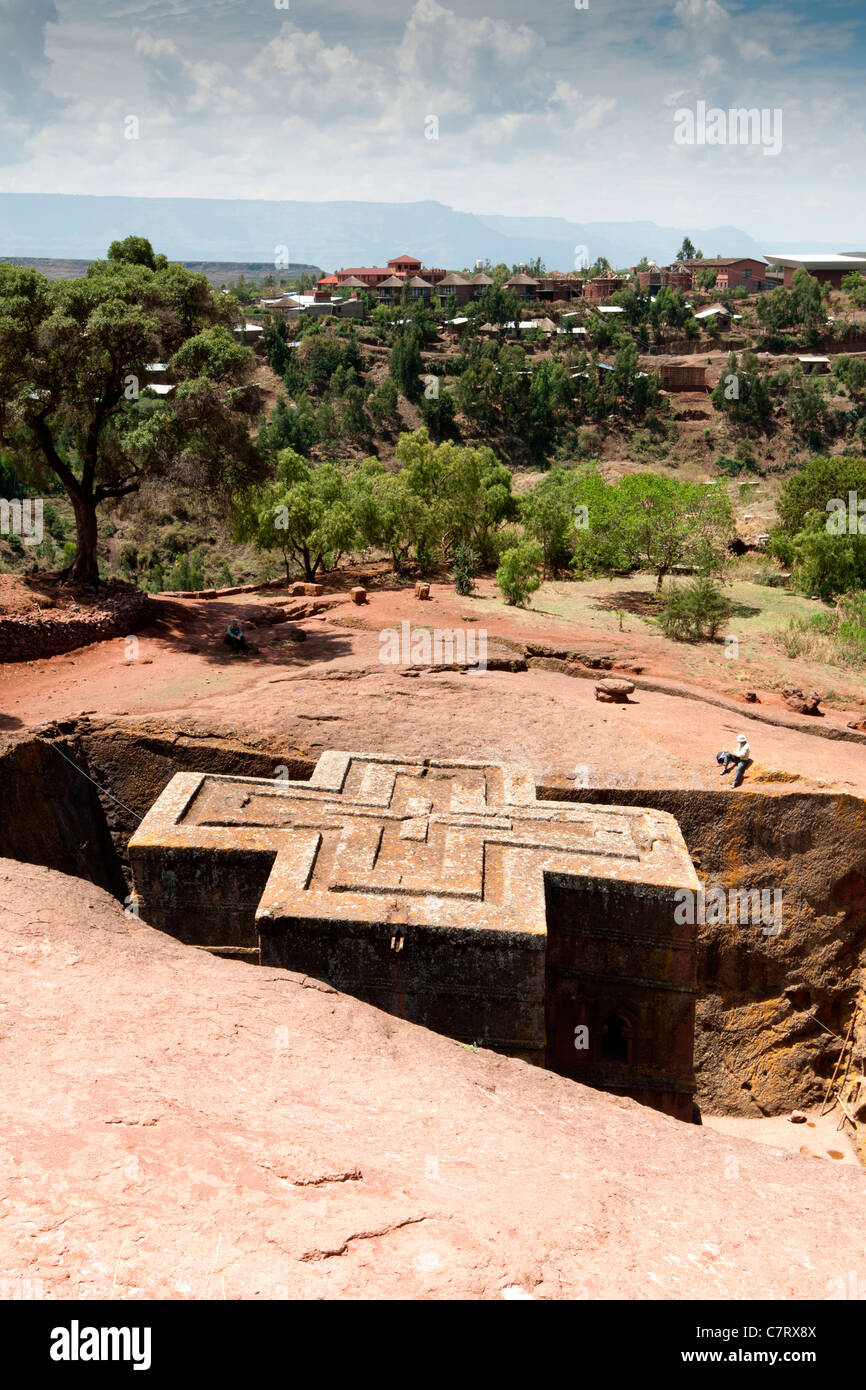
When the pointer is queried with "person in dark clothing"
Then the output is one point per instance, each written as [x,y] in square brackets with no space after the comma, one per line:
[740,758]
[234,638]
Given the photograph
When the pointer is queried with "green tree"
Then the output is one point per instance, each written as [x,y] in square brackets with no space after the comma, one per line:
[519,572]
[291,426]
[851,371]
[187,573]
[666,523]
[406,363]
[495,305]
[391,513]
[807,408]
[437,412]
[72,357]
[743,393]
[468,490]
[799,306]
[550,516]
[304,512]
[382,404]
[827,564]
[478,393]
[275,341]
[855,284]
[813,487]
[652,523]
[327,424]
[136,250]
[354,419]
[465,567]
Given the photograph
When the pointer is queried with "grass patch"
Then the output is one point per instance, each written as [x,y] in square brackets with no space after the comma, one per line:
[837,638]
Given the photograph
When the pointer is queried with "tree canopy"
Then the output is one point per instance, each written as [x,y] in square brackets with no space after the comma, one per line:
[73,362]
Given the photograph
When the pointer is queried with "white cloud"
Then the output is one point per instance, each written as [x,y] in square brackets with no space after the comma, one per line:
[567,114]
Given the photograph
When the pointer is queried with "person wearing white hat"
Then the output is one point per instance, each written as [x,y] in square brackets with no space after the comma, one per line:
[740,758]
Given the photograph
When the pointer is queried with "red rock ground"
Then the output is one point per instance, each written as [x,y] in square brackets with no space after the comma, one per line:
[333,691]
[177,1126]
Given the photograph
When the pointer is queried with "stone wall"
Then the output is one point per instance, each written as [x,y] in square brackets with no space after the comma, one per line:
[48,632]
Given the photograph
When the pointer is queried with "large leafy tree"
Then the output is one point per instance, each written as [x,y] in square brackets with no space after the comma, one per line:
[802,304]
[742,392]
[392,514]
[73,404]
[468,490]
[652,523]
[550,516]
[305,512]
[666,523]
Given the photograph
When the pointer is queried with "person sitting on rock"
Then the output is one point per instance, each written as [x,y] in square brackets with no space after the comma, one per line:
[741,758]
[234,637]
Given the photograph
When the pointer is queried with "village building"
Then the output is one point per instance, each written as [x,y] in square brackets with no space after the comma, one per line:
[671,277]
[291,306]
[248,333]
[403,267]
[602,287]
[828,269]
[559,288]
[714,311]
[391,290]
[479,284]
[524,286]
[419,289]
[456,285]
[682,376]
[733,272]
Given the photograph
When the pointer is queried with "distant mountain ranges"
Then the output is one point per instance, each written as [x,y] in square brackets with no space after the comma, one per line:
[333,235]
[218,272]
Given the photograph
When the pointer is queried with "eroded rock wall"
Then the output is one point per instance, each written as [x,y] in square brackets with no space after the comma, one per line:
[772,1008]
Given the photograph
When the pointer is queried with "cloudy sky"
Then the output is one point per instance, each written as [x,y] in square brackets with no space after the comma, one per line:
[541,109]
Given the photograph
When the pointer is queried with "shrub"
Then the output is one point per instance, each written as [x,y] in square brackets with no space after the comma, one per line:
[770,578]
[155,583]
[186,573]
[694,612]
[54,523]
[128,562]
[519,573]
[745,463]
[465,568]
[506,538]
